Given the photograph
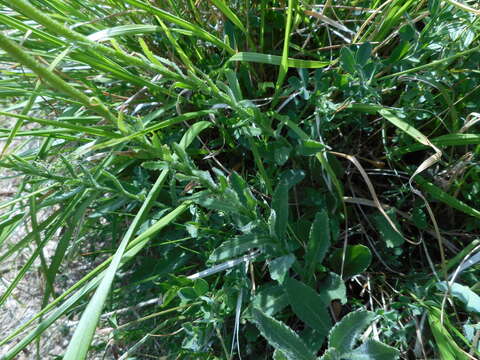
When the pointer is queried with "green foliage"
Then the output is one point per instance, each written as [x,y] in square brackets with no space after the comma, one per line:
[344,335]
[196,157]
[281,337]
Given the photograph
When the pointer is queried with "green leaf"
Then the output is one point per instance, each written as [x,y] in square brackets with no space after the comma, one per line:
[276,60]
[391,237]
[330,354]
[308,305]
[310,147]
[333,288]
[196,30]
[238,246]
[373,350]
[280,199]
[131,29]
[440,195]
[348,60]
[187,294]
[279,267]
[278,355]
[357,260]
[270,300]
[233,84]
[318,242]
[220,4]
[345,333]
[192,132]
[393,118]
[447,347]
[363,53]
[152,128]
[281,337]
[443,141]
[200,286]
[464,294]
[240,186]
[80,342]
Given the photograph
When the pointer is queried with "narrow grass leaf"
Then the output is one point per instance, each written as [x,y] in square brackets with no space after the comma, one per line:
[438,194]
[80,342]
[157,126]
[122,30]
[277,60]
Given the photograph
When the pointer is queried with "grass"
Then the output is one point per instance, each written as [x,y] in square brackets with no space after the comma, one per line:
[244,179]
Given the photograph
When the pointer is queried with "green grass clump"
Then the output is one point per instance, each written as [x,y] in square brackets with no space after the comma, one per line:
[250,180]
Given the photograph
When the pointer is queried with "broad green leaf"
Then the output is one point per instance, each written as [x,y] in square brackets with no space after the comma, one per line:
[330,354]
[276,60]
[308,305]
[281,337]
[278,355]
[333,288]
[279,267]
[373,350]
[318,242]
[391,237]
[348,60]
[345,333]
[270,299]
[280,199]
[238,246]
[357,260]
[464,294]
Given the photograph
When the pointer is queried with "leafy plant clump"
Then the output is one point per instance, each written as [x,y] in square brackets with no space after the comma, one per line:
[245,179]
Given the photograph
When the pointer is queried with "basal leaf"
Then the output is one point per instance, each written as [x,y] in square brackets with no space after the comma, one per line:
[270,300]
[373,350]
[280,199]
[357,260]
[345,333]
[308,305]
[281,337]
[333,288]
[238,246]
[318,242]
[279,267]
